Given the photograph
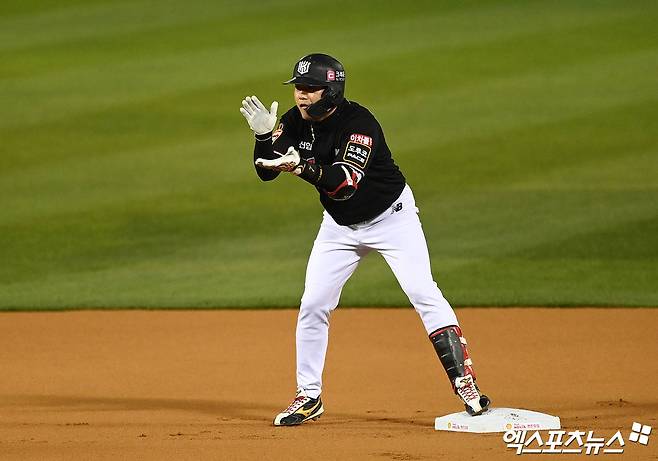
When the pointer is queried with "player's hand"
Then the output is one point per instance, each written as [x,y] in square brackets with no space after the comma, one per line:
[260,120]
[287,162]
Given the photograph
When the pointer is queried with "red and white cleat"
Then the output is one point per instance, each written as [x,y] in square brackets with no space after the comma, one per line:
[475,402]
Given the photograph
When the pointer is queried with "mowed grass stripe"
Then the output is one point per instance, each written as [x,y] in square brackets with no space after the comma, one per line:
[141,77]
[94,182]
[527,152]
[70,96]
[189,269]
[571,247]
[556,282]
[457,65]
[533,98]
[529,155]
[508,223]
[91,20]
[197,30]
[143,21]
[616,169]
[176,277]
[510,171]
[535,94]
[161,170]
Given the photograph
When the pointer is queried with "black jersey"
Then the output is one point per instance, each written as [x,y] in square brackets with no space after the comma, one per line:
[353,139]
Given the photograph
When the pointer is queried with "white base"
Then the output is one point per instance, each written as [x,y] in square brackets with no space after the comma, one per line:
[497,420]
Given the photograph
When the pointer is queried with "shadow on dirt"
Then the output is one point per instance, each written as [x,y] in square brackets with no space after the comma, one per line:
[98,404]
[223,409]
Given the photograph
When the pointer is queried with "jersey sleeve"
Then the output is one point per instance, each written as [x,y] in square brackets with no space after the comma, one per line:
[273,145]
[358,145]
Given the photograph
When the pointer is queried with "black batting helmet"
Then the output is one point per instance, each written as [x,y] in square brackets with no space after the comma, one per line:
[319,69]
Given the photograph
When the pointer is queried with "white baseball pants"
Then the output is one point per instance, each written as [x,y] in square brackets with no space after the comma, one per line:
[398,236]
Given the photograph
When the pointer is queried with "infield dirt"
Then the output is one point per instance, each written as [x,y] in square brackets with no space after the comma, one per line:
[206,384]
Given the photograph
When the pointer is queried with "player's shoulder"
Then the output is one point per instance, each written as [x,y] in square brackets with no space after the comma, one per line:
[355,110]
[357,116]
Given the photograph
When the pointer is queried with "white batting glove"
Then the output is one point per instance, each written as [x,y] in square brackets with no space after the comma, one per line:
[287,162]
[260,120]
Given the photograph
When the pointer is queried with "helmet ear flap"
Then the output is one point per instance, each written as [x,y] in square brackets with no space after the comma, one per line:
[335,92]
[332,95]
[330,99]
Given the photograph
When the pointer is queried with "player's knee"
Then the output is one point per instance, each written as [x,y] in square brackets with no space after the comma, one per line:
[316,302]
[310,317]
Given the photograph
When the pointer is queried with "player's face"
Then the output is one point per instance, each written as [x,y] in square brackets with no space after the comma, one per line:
[305,95]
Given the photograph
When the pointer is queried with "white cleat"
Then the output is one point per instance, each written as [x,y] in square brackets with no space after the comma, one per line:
[300,410]
[475,403]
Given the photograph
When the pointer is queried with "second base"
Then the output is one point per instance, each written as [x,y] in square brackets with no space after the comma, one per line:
[497,420]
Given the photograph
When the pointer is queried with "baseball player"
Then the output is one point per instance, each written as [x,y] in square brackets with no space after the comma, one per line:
[338,147]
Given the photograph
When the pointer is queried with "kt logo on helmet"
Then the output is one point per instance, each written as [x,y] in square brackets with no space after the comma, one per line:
[303,66]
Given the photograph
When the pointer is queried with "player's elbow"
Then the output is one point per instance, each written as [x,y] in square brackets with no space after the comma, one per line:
[265,178]
[348,186]
[266,175]
[341,194]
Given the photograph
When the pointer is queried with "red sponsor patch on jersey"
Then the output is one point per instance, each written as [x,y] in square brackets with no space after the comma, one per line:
[361,139]
[331,75]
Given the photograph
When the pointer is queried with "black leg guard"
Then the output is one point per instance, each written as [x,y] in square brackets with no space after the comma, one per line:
[450,346]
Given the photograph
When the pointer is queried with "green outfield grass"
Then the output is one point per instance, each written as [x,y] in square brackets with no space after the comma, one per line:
[527,130]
